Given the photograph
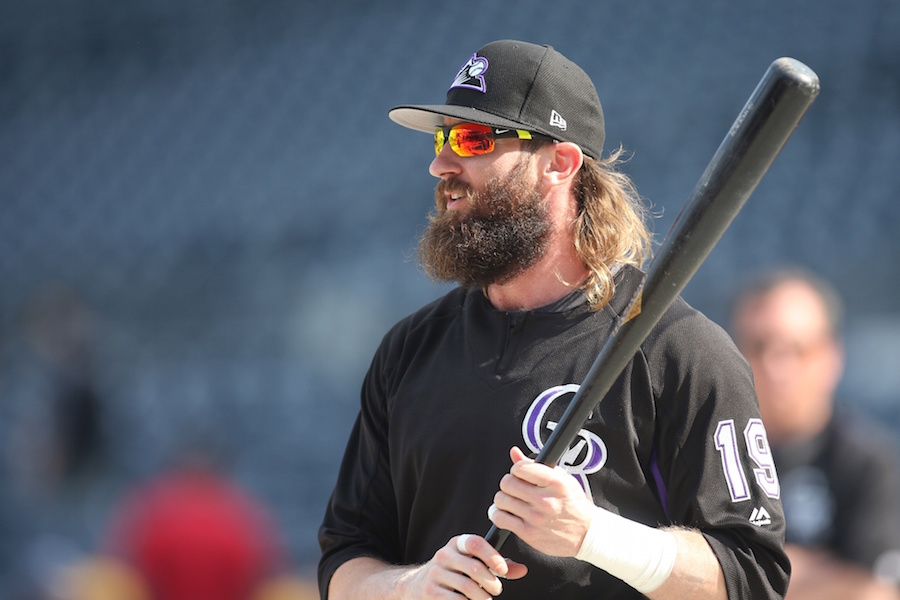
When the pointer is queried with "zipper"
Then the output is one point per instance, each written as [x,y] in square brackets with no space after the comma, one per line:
[516,324]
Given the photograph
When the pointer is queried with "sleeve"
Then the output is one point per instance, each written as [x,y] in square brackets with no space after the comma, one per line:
[714,455]
[361,516]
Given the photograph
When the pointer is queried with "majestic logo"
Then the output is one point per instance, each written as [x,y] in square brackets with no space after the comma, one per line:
[556,120]
[471,74]
[585,456]
[760,516]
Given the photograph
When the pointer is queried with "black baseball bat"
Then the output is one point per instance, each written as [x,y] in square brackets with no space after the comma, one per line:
[768,119]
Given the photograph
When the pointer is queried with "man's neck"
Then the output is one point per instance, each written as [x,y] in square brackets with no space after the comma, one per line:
[552,278]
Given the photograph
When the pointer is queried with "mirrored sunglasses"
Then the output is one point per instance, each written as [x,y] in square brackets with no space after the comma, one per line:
[473,139]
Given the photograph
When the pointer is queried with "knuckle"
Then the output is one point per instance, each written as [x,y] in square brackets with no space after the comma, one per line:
[431,587]
[442,555]
[546,505]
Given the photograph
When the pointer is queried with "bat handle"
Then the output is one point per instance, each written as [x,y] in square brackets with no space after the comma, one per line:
[496,537]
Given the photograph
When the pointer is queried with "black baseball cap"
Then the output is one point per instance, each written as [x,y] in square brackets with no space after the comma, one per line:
[518,85]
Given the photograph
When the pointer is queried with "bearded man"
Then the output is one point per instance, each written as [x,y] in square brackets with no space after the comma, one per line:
[669,490]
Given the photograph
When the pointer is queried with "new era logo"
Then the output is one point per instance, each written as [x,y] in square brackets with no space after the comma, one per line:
[760,516]
[556,120]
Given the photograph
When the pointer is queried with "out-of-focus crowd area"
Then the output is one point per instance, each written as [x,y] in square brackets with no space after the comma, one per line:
[207,222]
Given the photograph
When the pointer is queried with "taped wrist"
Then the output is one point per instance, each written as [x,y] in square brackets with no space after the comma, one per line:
[639,555]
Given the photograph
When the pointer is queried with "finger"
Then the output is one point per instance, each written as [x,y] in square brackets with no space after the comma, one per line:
[461,544]
[487,555]
[461,572]
[462,584]
[516,499]
[526,468]
[506,519]
[536,474]
[492,515]
[515,570]
[529,482]
[502,568]
[475,571]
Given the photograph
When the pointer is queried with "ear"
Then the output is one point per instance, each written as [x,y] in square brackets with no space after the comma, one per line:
[565,160]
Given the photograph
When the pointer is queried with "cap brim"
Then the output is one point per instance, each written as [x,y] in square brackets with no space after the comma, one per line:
[427,117]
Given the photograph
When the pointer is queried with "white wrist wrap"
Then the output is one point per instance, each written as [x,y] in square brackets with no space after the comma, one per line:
[639,555]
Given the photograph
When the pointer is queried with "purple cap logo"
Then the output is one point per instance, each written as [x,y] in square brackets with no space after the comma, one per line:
[471,74]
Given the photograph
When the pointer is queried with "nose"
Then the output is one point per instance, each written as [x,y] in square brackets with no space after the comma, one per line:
[776,362]
[446,164]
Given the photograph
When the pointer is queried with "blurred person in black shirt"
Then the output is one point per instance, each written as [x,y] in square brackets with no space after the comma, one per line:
[840,481]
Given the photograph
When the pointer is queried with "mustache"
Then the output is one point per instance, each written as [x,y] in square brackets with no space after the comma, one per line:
[447,188]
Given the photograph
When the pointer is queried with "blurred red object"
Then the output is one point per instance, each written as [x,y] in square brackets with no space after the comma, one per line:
[193,535]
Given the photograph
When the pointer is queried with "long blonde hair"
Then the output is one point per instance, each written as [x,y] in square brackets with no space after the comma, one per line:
[611,227]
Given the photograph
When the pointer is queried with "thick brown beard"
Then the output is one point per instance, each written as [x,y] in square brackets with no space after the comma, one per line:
[504,232]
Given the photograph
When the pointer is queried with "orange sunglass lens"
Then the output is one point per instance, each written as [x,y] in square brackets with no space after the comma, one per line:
[471,141]
[465,140]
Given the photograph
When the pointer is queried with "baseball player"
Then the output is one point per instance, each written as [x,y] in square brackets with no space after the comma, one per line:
[669,491]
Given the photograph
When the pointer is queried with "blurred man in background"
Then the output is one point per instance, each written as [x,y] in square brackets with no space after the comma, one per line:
[840,480]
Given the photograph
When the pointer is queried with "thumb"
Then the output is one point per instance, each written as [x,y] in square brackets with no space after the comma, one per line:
[516,570]
[516,454]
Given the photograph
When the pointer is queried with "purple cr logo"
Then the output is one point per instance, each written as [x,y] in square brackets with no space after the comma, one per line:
[585,456]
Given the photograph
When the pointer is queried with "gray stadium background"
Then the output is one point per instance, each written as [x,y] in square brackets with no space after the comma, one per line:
[220,184]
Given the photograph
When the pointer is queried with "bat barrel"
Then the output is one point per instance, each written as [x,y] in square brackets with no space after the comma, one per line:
[768,119]
[755,139]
